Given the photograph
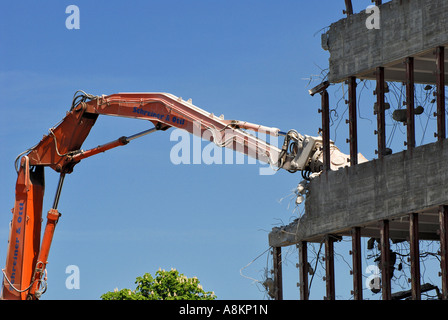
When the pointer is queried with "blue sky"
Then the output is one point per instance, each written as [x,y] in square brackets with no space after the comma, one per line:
[130,211]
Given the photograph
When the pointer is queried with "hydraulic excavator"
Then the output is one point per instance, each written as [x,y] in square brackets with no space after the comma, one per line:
[24,276]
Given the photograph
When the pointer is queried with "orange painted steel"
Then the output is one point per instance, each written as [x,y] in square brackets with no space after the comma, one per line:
[52,219]
[24,237]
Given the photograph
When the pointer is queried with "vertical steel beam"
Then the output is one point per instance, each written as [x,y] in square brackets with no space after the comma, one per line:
[348,7]
[329,268]
[278,282]
[440,73]
[353,121]
[385,260]
[380,112]
[443,219]
[303,270]
[356,256]
[325,130]
[410,92]
[415,256]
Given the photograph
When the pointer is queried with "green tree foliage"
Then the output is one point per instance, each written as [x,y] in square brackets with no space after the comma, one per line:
[167,285]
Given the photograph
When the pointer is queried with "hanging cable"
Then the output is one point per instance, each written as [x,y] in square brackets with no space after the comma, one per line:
[79,98]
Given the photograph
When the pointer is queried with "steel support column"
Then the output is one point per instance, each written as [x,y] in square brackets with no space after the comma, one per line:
[303,270]
[357,262]
[441,125]
[353,126]
[385,260]
[329,268]
[325,109]
[443,219]
[380,112]
[415,256]
[278,282]
[410,92]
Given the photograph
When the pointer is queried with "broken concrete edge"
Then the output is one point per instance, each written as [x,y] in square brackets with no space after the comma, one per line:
[381,189]
[407,28]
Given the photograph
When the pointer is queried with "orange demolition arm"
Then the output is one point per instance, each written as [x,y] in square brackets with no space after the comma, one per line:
[24,274]
[61,148]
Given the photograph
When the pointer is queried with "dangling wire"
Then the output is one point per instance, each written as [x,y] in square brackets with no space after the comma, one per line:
[13,287]
[250,278]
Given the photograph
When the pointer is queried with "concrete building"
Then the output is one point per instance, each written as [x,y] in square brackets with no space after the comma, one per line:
[396,197]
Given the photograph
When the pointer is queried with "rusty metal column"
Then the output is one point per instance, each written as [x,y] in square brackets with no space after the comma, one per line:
[443,219]
[410,91]
[385,260]
[357,262]
[329,268]
[325,130]
[303,270]
[278,283]
[441,125]
[348,8]
[415,256]
[353,126]
[380,112]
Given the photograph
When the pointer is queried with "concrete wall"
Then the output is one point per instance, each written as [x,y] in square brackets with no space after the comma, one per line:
[394,186]
[407,27]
